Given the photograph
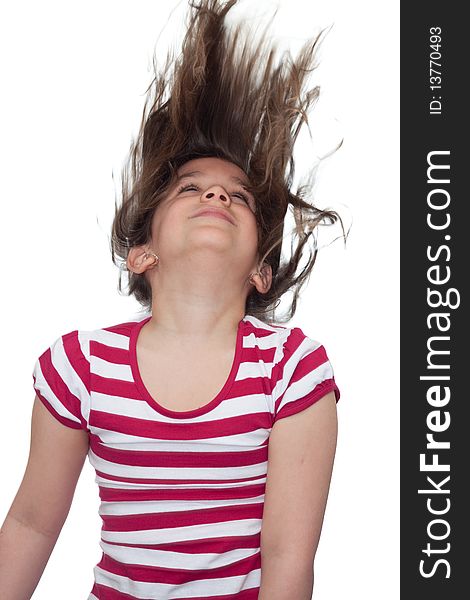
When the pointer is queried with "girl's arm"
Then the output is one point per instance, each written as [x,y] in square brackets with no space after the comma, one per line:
[42,503]
[301,453]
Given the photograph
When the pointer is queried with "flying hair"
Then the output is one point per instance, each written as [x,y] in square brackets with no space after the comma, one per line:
[226,95]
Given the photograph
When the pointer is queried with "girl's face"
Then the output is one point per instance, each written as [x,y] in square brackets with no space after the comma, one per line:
[182,224]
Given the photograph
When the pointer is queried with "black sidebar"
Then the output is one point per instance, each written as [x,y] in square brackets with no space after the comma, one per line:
[435,257]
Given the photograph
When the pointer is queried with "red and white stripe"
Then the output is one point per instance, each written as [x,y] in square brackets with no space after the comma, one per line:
[182,493]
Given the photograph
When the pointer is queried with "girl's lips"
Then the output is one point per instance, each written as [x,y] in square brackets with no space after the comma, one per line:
[212,212]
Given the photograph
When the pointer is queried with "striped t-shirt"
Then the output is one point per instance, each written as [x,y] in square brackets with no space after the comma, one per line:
[182,492]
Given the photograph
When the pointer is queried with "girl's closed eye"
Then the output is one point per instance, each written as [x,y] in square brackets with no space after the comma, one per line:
[241,195]
[187,187]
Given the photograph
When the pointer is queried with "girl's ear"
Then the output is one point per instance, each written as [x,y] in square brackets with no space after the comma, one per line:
[263,279]
[139,259]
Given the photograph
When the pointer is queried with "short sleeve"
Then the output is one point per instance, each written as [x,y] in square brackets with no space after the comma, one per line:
[61,378]
[304,375]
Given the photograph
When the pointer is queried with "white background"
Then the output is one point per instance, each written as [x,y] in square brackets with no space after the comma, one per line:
[74,78]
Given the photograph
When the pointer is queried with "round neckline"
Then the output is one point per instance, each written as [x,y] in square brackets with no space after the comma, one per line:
[182,414]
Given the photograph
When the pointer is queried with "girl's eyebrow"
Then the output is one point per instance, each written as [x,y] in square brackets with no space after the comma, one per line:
[187,175]
[240,181]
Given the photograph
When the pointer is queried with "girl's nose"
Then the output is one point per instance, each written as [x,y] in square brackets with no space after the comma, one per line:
[216,191]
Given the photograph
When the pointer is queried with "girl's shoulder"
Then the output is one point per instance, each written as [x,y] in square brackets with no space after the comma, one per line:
[76,343]
[300,372]
[285,338]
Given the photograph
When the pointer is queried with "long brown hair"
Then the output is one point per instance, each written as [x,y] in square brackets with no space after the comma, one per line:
[225,96]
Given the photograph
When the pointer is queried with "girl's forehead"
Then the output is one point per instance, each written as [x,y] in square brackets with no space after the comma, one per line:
[212,165]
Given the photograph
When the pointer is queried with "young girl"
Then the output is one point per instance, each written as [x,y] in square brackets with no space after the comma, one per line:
[211,425]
